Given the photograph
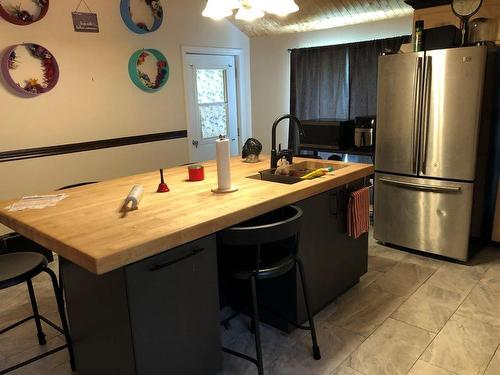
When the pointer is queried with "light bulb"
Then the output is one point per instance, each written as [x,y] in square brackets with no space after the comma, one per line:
[217,9]
[249,11]
[233,4]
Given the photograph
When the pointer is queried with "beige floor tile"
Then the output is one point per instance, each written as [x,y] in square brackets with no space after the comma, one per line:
[494,366]
[345,370]
[369,278]
[483,303]
[366,280]
[336,345]
[492,276]
[42,366]
[392,349]
[457,277]
[63,369]
[382,258]
[14,305]
[381,264]
[404,278]
[274,344]
[429,307]
[363,310]
[386,251]
[327,312]
[424,368]
[439,297]
[422,260]
[464,346]
[22,338]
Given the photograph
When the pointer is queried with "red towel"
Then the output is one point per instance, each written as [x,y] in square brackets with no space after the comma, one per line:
[358,213]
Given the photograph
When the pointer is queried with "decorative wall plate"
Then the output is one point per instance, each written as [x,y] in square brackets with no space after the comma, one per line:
[141,79]
[18,16]
[141,27]
[30,87]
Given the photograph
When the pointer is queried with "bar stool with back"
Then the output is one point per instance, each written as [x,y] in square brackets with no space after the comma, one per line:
[262,248]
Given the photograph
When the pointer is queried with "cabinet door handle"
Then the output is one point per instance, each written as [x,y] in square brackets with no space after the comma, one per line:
[334,204]
[193,252]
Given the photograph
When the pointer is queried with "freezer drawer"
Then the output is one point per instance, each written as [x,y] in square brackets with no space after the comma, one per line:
[421,214]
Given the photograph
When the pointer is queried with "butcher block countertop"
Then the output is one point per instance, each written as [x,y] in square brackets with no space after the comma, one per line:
[88,228]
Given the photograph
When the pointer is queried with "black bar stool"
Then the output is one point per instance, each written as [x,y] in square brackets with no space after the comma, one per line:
[267,247]
[17,268]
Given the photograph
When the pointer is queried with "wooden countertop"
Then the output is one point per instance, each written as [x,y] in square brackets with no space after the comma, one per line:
[88,229]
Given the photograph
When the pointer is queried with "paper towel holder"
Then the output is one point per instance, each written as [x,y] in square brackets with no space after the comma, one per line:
[232,189]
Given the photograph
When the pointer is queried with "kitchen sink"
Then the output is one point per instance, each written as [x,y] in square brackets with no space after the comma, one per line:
[296,172]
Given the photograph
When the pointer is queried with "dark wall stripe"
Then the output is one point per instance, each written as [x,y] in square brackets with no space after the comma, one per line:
[41,152]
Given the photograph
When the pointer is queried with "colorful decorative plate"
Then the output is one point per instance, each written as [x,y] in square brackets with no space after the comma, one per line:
[18,16]
[140,78]
[30,86]
[141,27]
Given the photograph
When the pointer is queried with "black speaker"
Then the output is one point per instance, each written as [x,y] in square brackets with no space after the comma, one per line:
[442,37]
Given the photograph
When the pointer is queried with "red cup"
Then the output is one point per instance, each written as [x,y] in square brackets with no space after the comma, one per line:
[196,172]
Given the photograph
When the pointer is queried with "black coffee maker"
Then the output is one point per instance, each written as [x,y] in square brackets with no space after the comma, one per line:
[364,132]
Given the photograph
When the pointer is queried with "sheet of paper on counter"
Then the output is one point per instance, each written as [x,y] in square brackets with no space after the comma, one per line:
[36,202]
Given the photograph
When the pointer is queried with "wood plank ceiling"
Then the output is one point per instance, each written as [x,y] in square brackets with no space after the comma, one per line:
[325,14]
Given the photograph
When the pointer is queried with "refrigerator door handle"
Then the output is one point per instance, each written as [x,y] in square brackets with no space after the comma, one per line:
[438,189]
[426,113]
[416,112]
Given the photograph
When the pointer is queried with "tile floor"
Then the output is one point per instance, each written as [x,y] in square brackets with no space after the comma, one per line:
[408,315]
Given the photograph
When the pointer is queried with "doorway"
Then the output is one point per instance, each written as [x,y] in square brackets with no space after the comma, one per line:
[212,103]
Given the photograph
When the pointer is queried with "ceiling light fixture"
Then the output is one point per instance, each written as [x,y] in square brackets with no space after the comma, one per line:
[217,9]
[248,10]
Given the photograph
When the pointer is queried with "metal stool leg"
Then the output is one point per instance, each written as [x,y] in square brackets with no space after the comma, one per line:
[61,285]
[36,314]
[315,347]
[255,317]
[62,314]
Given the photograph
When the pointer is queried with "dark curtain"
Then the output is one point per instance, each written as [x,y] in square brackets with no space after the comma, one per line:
[319,84]
[363,70]
[336,82]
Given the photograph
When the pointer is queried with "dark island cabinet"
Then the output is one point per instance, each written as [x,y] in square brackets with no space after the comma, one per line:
[156,316]
[333,261]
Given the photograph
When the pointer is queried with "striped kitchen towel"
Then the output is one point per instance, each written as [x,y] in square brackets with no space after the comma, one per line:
[358,213]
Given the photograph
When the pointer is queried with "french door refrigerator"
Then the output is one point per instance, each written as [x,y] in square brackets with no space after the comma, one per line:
[429,115]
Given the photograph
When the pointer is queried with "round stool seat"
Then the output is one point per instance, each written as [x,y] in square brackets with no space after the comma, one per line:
[16,268]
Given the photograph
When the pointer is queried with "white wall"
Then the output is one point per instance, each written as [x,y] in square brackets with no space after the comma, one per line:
[270,67]
[95,98]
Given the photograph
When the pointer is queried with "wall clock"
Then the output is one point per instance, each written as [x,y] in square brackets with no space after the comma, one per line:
[18,16]
[465,9]
[140,27]
[30,85]
[137,72]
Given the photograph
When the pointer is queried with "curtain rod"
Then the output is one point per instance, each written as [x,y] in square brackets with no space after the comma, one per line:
[351,43]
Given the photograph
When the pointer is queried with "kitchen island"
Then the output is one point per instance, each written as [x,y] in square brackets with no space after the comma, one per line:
[144,285]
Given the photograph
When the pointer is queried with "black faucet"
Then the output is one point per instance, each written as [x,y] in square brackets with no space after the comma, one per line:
[274,152]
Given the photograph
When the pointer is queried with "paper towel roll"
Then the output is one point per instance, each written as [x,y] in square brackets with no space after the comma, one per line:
[223,155]
[223,163]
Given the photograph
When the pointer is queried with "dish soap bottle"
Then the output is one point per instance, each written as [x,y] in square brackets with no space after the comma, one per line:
[418,41]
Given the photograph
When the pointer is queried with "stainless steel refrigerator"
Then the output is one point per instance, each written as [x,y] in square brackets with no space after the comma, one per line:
[430,110]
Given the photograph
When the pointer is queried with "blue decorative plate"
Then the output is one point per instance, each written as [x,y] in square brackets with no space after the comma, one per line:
[141,79]
[141,27]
